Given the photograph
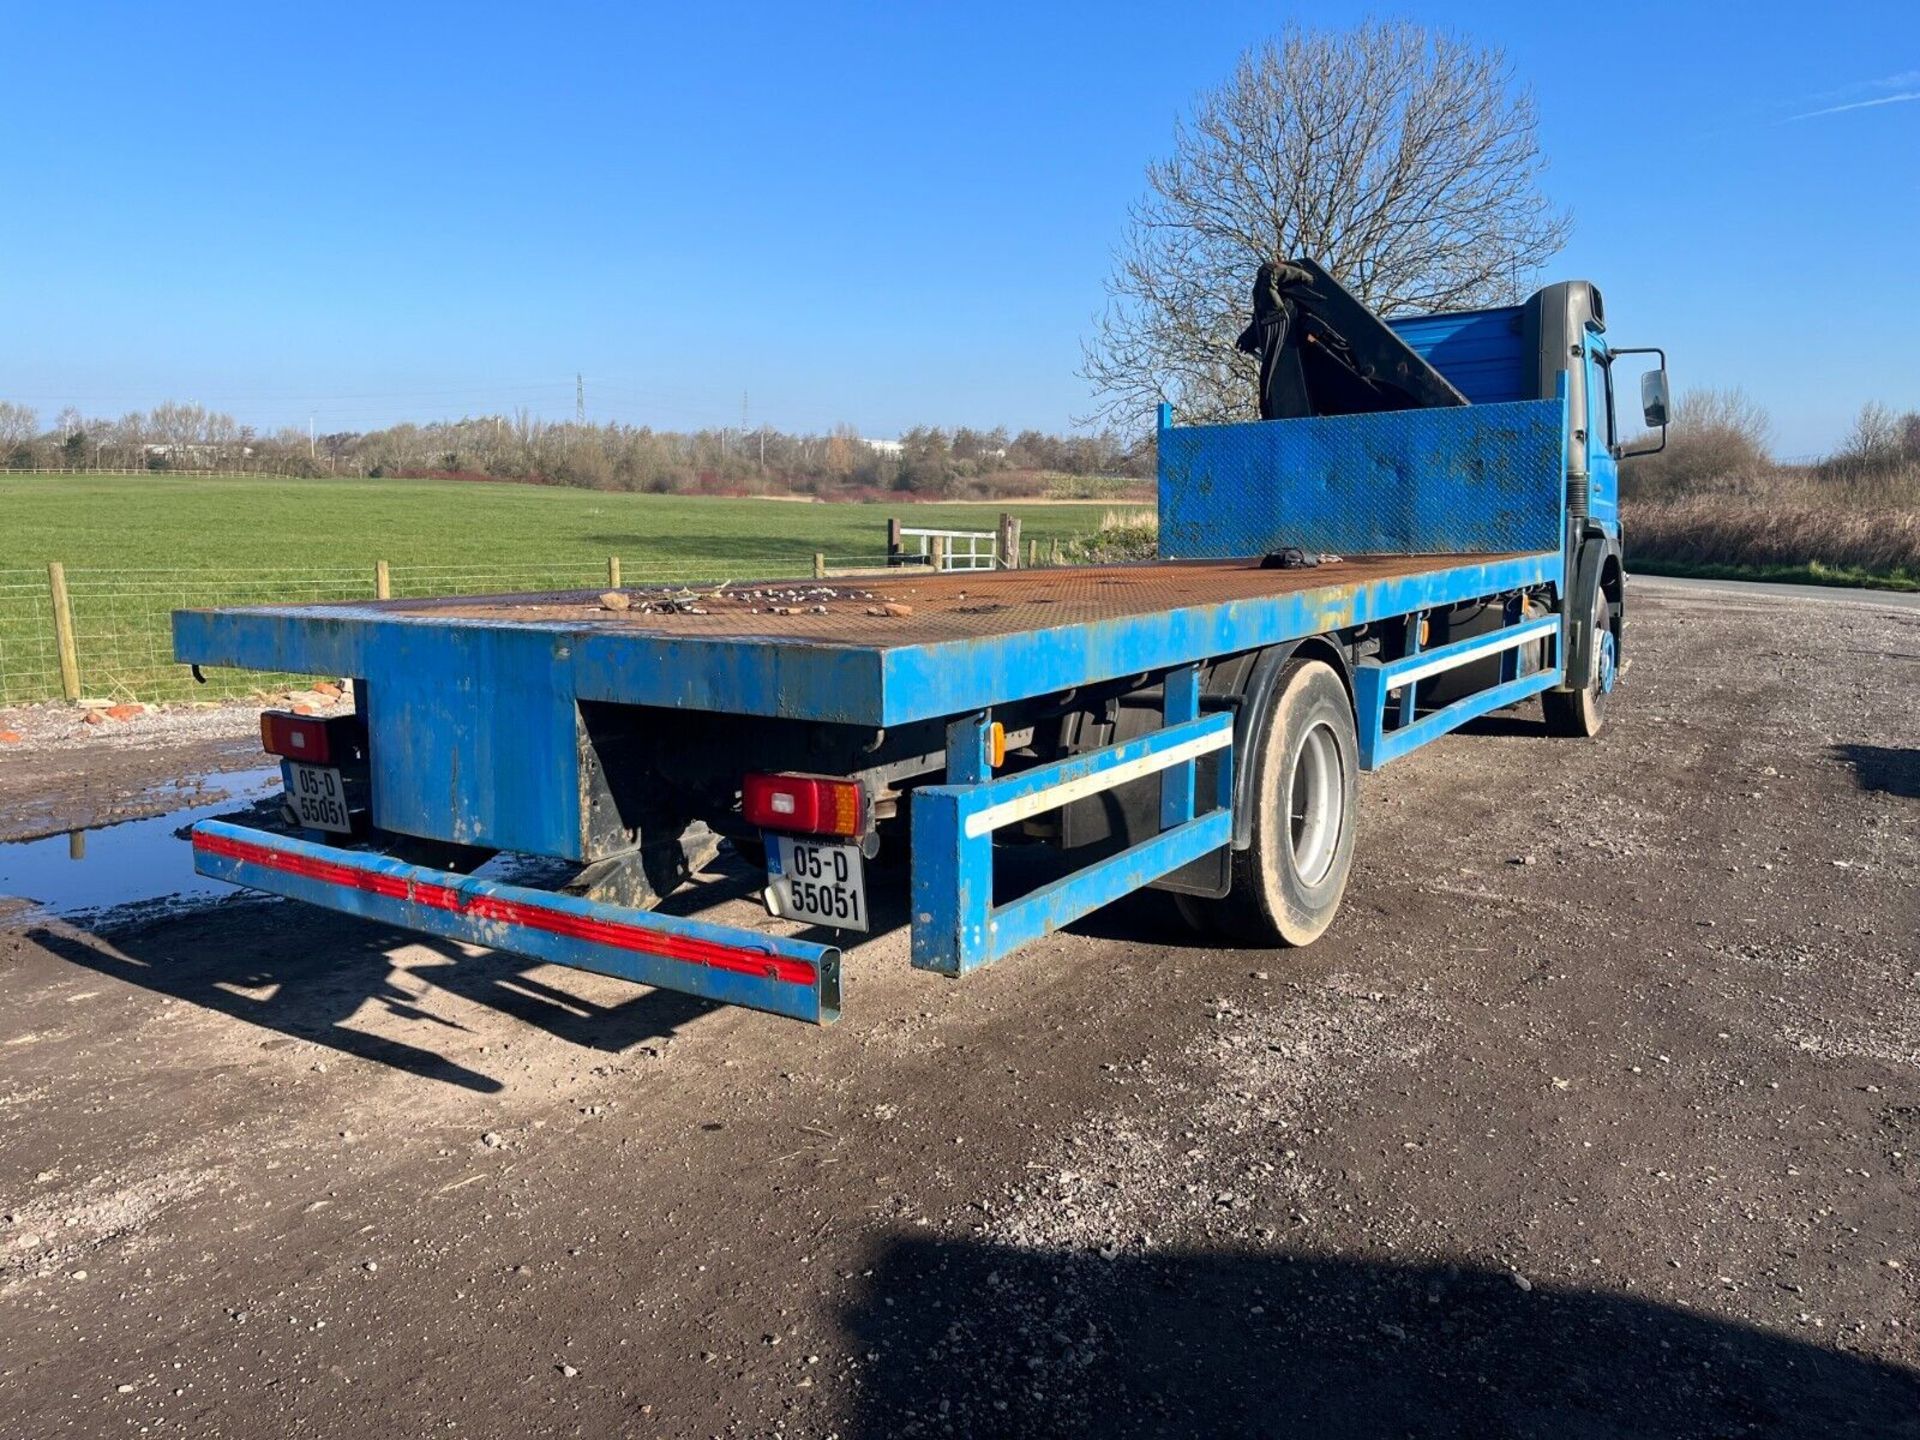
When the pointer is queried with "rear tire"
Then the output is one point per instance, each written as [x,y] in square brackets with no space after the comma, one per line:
[1579,714]
[1288,883]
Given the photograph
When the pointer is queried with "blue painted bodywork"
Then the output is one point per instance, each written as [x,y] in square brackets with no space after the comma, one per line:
[1481,352]
[476,732]
[856,684]
[479,739]
[1180,703]
[957,927]
[1472,479]
[929,680]
[1603,471]
[1380,742]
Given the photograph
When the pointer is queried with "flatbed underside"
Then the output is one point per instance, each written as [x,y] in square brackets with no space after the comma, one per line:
[928,609]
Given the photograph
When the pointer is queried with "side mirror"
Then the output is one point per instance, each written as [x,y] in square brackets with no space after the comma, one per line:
[1654,402]
[1653,398]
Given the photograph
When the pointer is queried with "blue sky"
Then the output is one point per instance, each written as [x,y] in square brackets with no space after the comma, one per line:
[880,214]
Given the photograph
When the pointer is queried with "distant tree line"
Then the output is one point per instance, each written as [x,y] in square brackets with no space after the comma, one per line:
[926,461]
[1719,442]
[1716,501]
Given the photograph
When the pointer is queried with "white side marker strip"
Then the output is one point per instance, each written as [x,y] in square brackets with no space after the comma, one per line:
[1509,639]
[984,822]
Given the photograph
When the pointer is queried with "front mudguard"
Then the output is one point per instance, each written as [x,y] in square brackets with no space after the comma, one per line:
[1589,572]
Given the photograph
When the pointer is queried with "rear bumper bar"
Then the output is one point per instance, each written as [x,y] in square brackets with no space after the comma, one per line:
[734,967]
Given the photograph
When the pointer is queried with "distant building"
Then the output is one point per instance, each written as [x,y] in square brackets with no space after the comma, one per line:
[195,453]
[884,447]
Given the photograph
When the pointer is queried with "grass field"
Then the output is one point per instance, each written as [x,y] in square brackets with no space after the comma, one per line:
[235,522]
[1812,574]
[138,547]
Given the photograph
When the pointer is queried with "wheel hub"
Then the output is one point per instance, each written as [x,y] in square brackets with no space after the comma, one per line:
[1316,804]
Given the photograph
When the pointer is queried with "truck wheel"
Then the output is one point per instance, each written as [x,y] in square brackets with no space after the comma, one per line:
[1287,884]
[1579,714]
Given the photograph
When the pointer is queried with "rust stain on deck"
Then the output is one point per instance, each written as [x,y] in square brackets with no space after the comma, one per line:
[954,606]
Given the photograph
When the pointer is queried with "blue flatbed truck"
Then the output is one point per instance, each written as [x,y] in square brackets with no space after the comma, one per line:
[1333,590]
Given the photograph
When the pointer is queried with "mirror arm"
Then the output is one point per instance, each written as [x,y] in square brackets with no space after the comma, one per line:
[1629,454]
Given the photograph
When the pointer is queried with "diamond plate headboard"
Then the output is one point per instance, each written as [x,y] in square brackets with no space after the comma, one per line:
[1459,480]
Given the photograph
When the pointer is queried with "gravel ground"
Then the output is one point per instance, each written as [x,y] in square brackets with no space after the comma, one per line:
[62,772]
[1599,1122]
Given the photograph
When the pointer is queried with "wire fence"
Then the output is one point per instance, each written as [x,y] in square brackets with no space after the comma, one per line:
[29,655]
[145,471]
[121,624]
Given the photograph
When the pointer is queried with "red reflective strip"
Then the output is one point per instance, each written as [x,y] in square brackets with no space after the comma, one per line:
[685,949]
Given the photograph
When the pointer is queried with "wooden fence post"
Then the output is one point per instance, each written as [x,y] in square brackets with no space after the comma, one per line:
[937,545]
[893,542]
[1008,545]
[613,572]
[1033,553]
[382,582]
[819,565]
[63,631]
[1055,559]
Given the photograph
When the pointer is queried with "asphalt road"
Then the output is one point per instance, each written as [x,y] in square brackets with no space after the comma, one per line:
[1595,1115]
[1880,599]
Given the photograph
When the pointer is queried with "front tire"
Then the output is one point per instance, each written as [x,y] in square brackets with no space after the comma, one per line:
[1287,885]
[1579,714]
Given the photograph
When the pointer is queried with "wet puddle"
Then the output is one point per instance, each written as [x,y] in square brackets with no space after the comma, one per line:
[134,862]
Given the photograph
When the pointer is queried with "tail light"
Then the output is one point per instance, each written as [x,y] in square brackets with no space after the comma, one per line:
[804,803]
[333,740]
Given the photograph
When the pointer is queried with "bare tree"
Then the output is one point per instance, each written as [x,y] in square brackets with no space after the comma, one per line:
[1404,160]
[1718,440]
[177,423]
[1880,443]
[18,423]
[1875,435]
[127,435]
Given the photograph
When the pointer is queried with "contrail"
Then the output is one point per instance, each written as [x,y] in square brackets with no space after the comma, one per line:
[1903,96]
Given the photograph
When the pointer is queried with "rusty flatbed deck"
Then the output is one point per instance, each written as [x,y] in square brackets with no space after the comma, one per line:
[831,650]
[929,609]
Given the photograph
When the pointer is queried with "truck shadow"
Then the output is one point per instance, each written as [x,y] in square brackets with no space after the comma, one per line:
[308,974]
[1887,769]
[965,1338]
[1516,722]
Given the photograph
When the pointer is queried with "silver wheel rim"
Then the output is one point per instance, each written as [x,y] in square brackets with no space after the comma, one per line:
[1316,803]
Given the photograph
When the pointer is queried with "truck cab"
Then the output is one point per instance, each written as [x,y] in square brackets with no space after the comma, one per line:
[1522,352]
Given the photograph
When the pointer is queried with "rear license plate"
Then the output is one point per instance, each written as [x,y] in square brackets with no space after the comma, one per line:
[318,797]
[818,882]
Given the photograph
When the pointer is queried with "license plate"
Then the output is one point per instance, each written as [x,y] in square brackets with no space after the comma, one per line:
[818,882]
[318,797]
